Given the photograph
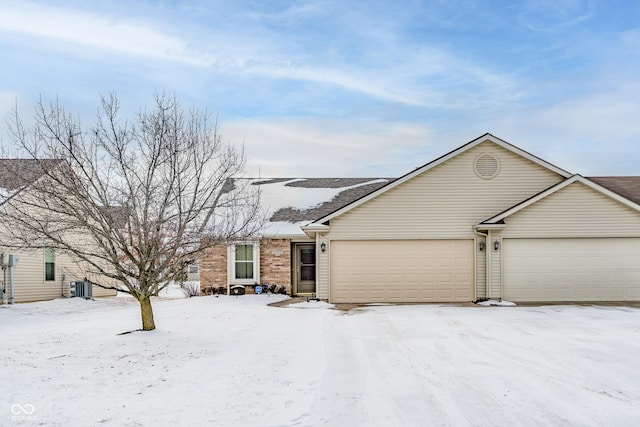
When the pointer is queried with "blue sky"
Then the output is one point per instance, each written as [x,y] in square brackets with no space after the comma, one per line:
[348,88]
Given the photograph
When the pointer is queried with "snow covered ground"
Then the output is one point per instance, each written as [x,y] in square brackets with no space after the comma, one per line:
[235,361]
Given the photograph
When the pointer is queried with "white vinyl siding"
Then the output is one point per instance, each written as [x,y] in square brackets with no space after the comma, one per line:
[402,271]
[593,269]
[446,201]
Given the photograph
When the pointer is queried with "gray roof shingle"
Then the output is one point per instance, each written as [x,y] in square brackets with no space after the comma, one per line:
[353,189]
[626,186]
[18,173]
[349,195]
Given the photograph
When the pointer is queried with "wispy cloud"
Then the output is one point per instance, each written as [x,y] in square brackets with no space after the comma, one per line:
[111,33]
[304,147]
[320,87]
[554,15]
[406,74]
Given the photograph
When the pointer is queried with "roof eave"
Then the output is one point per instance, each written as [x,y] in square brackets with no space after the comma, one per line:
[575,178]
[483,226]
[312,229]
[442,159]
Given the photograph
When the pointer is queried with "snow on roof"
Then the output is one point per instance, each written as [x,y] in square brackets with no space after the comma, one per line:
[5,194]
[16,174]
[294,202]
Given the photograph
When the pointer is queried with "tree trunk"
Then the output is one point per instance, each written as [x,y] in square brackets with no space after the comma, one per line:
[147,314]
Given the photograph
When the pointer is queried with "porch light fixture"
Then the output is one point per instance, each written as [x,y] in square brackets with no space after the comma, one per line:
[323,246]
[481,245]
[496,245]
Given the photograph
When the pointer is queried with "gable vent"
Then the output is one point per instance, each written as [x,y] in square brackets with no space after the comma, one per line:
[487,166]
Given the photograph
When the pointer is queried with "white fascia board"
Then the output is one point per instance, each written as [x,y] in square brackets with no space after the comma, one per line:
[440,160]
[483,226]
[558,187]
[283,236]
[607,192]
[311,229]
[523,153]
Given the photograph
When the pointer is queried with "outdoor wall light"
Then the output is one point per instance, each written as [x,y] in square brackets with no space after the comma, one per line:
[481,245]
[496,245]
[323,246]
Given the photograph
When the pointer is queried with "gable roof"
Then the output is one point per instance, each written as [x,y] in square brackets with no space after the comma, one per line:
[468,146]
[499,218]
[17,174]
[294,202]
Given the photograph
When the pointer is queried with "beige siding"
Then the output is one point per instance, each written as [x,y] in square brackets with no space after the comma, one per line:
[29,282]
[574,211]
[445,201]
[322,269]
[481,271]
[28,278]
[72,270]
[496,268]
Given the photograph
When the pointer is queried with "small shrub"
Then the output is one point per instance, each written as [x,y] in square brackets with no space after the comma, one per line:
[190,289]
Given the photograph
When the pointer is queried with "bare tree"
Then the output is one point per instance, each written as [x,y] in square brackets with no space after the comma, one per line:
[134,200]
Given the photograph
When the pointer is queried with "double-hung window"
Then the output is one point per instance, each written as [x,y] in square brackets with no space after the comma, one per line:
[244,262]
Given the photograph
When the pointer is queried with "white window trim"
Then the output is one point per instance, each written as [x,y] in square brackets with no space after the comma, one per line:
[231,257]
[44,264]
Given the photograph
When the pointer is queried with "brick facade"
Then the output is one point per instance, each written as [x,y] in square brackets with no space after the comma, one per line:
[213,267]
[275,262]
[275,265]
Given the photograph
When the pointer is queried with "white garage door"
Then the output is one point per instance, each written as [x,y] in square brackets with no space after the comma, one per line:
[571,269]
[402,271]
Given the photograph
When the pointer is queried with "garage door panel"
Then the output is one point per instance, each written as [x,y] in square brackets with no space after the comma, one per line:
[602,269]
[402,271]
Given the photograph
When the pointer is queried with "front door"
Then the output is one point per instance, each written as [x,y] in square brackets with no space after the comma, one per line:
[306,269]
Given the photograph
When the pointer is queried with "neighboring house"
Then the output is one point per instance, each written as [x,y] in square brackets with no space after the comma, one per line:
[41,274]
[485,221]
